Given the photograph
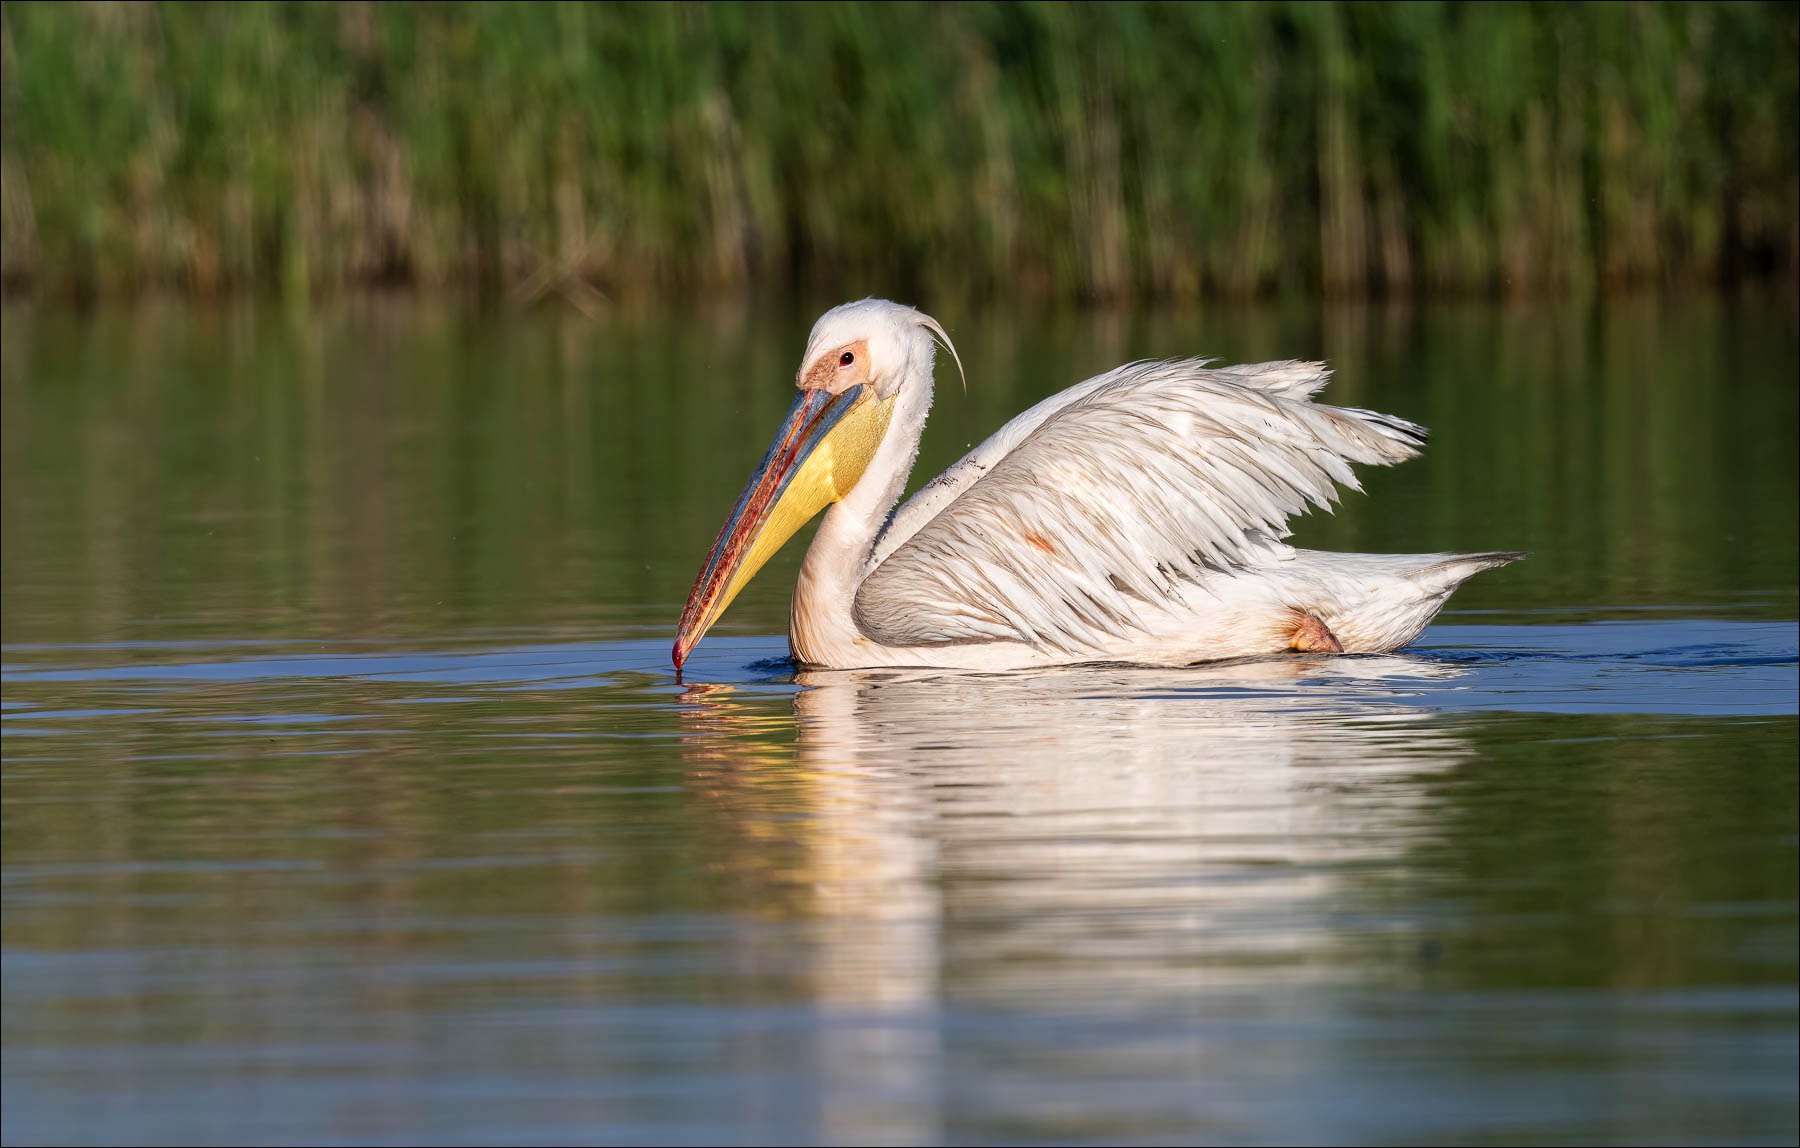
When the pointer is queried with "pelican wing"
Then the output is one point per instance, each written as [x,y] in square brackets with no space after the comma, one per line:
[1119,493]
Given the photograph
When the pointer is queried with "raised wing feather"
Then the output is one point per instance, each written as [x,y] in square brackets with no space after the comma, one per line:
[1120,492]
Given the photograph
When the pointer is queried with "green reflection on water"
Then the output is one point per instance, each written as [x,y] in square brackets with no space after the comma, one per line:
[392,468]
[436,864]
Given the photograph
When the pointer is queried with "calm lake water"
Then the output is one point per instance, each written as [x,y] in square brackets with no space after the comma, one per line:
[349,796]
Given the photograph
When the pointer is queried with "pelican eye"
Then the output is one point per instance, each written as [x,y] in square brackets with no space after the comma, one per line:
[845,359]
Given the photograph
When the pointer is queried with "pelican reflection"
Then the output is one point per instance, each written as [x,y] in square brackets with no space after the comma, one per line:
[1112,838]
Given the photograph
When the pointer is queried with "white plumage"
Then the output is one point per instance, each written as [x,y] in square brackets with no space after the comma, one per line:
[1134,517]
[1096,508]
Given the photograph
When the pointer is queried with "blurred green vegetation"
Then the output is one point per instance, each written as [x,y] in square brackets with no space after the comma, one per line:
[1091,151]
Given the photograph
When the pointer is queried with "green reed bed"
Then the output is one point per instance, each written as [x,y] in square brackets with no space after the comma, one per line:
[1064,151]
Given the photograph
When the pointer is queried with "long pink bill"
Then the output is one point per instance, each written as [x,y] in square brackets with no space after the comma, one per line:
[812,416]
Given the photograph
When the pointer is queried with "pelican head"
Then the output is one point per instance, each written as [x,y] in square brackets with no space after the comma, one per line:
[859,360]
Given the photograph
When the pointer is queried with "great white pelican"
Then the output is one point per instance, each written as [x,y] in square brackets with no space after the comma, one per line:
[1136,517]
